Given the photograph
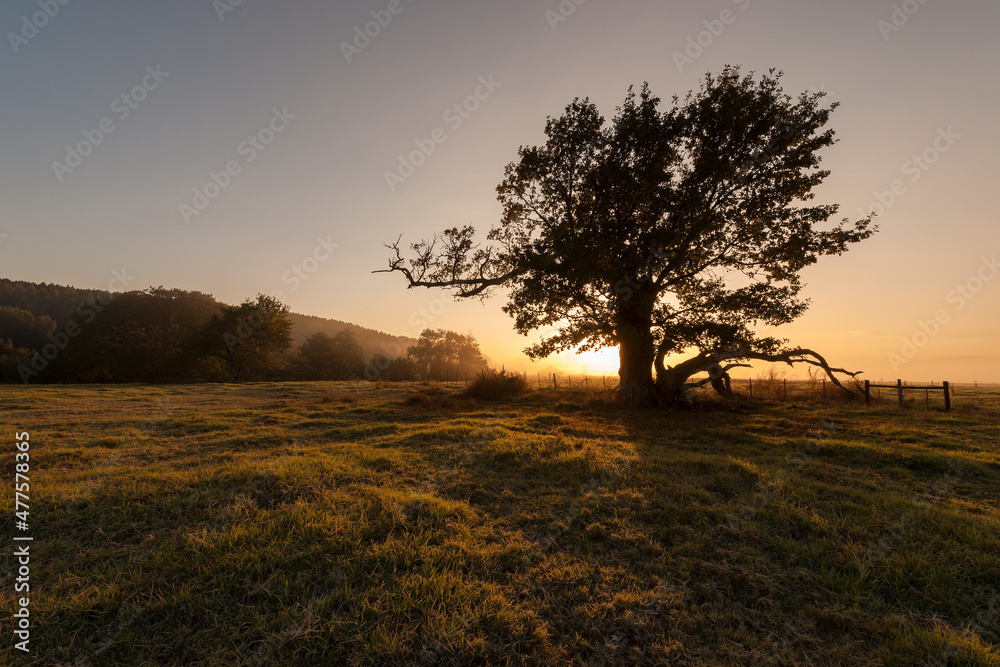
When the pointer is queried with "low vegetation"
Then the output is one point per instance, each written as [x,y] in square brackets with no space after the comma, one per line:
[497,385]
[351,523]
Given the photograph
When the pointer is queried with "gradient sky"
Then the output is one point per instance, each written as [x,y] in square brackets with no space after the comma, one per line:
[323,176]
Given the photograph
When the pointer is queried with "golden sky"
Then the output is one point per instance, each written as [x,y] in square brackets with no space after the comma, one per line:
[233,145]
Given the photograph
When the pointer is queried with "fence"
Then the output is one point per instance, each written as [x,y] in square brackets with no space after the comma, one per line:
[774,389]
[900,388]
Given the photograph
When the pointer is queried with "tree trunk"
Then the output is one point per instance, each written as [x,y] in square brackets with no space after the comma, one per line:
[670,381]
[635,349]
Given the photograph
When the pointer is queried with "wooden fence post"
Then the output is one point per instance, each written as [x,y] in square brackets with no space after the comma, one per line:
[868,392]
[947,397]
[785,382]
[899,390]
[555,381]
[824,390]
[751,387]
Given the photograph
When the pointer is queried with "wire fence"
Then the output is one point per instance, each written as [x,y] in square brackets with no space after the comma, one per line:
[927,394]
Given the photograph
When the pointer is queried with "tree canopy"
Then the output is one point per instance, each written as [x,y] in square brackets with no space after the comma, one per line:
[327,357]
[441,354]
[664,232]
[246,337]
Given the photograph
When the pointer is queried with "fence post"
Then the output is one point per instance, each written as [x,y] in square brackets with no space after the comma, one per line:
[868,392]
[751,387]
[604,378]
[899,389]
[555,381]
[824,389]
[947,397]
[785,382]
[569,381]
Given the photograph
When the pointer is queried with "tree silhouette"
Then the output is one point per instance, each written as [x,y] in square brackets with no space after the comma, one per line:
[332,357]
[246,337]
[441,354]
[142,336]
[665,232]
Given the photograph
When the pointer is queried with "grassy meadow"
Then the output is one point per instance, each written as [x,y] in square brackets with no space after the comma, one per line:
[364,524]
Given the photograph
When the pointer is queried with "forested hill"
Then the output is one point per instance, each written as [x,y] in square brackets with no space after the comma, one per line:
[150,335]
[371,341]
[58,302]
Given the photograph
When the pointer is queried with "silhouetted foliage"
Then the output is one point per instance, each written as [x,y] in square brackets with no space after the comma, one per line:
[325,357]
[665,232]
[440,354]
[11,358]
[497,385]
[400,369]
[247,337]
[24,329]
[371,341]
[169,335]
[144,336]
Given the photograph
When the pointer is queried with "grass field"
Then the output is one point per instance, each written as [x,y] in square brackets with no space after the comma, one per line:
[360,524]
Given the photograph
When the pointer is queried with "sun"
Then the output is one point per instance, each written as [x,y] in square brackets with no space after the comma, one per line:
[596,362]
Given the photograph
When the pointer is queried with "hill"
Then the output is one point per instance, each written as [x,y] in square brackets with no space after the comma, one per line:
[371,341]
[63,303]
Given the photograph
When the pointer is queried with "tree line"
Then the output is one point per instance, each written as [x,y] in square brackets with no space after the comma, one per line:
[51,333]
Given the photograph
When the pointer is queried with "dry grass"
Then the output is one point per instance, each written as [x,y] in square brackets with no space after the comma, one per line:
[262,524]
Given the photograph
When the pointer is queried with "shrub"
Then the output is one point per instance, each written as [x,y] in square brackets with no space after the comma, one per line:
[497,385]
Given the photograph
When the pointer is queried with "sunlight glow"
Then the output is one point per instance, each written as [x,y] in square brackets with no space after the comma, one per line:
[597,362]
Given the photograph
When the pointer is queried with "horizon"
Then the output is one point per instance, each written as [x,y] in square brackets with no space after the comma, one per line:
[237,149]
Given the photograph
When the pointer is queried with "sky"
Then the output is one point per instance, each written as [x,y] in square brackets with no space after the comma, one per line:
[242,147]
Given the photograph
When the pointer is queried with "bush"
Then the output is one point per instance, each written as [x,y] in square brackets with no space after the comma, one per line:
[497,385]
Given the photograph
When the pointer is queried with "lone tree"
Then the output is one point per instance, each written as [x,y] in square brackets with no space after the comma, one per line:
[662,233]
[246,337]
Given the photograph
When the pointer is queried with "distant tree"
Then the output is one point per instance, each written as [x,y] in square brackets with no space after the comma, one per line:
[667,232]
[11,359]
[24,329]
[143,336]
[441,354]
[328,357]
[61,303]
[246,337]
[316,357]
[400,369]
